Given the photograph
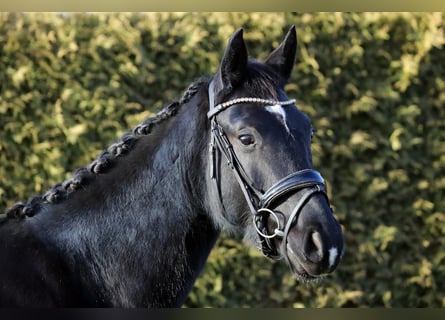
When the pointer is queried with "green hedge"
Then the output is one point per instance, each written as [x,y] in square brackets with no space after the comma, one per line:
[373,83]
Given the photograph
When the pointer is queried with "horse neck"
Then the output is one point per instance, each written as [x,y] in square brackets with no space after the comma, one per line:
[140,234]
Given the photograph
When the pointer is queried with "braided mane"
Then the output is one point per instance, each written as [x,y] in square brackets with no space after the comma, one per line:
[81,177]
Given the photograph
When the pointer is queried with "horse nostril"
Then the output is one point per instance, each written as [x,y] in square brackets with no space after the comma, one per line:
[314,249]
[316,239]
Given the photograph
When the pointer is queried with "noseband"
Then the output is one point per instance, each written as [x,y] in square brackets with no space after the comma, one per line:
[308,181]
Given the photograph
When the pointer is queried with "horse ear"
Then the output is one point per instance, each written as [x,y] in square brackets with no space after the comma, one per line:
[233,64]
[282,58]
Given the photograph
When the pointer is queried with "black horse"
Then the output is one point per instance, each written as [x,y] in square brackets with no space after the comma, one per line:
[135,227]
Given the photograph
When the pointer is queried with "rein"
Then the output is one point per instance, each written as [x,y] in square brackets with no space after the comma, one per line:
[259,201]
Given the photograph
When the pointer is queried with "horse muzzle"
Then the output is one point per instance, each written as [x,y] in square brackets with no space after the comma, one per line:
[311,244]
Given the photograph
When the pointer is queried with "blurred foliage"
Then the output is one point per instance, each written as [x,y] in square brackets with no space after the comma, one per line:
[373,84]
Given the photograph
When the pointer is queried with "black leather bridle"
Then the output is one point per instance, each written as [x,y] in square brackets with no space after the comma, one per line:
[308,181]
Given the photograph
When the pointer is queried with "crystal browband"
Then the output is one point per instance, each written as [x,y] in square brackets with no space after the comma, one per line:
[220,107]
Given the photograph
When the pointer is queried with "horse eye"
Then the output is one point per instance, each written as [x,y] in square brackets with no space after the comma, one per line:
[246,139]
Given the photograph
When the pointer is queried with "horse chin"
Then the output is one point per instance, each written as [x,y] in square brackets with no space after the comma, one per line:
[299,271]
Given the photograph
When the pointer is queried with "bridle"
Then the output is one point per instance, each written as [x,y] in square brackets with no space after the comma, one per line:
[308,181]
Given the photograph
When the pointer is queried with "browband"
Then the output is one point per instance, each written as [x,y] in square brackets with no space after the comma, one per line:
[222,106]
[214,110]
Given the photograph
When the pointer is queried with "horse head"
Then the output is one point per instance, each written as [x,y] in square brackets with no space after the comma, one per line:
[268,189]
